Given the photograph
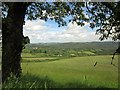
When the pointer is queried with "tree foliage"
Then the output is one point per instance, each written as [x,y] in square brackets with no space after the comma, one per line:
[57,11]
[103,15]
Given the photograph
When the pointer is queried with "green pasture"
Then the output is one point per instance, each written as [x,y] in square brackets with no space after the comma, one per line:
[75,70]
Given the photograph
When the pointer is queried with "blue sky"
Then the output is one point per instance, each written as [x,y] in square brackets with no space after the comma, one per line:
[40,31]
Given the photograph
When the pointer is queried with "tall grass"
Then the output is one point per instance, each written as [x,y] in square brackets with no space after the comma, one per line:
[30,82]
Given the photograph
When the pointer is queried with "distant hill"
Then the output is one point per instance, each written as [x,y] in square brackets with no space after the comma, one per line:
[85,45]
[98,47]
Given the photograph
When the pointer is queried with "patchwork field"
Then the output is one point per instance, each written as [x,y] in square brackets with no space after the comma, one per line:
[75,70]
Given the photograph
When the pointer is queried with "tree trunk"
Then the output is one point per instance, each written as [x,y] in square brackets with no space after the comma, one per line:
[12,32]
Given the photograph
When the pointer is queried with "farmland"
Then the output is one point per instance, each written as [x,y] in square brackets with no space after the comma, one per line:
[69,65]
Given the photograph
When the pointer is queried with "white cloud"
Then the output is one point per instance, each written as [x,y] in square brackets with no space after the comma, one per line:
[77,34]
[35,25]
[38,31]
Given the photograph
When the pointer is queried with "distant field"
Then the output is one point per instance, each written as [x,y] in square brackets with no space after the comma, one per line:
[75,69]
[33,59]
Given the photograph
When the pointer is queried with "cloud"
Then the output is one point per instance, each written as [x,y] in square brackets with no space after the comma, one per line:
[75,33]
[35,25]
[39,31]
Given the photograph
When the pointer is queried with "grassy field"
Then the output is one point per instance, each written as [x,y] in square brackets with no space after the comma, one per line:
[75,70]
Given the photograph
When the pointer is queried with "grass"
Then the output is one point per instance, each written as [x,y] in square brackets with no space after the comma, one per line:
[43,59]
[31,82]
[76,72]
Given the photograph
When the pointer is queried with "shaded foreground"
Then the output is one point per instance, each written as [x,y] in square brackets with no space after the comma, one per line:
[29,81]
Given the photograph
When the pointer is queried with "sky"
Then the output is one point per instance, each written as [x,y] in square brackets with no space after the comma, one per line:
[40,31]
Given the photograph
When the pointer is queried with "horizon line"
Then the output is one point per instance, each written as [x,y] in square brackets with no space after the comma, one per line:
[75,42]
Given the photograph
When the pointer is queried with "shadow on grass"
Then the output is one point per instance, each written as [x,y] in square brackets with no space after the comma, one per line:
[30,82]
[39,60]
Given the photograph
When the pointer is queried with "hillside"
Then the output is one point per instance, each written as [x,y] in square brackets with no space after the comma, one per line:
[72,49]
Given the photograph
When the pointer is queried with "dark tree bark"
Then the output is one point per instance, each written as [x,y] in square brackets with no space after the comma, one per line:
[12,32]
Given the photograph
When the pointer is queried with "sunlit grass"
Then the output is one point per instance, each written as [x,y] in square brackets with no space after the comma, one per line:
[78,69]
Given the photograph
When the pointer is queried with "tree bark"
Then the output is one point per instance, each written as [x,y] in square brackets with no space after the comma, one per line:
[12,32]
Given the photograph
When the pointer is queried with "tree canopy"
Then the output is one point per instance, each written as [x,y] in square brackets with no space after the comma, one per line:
[103,15]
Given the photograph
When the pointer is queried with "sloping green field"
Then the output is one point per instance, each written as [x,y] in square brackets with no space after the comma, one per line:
[77,69]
